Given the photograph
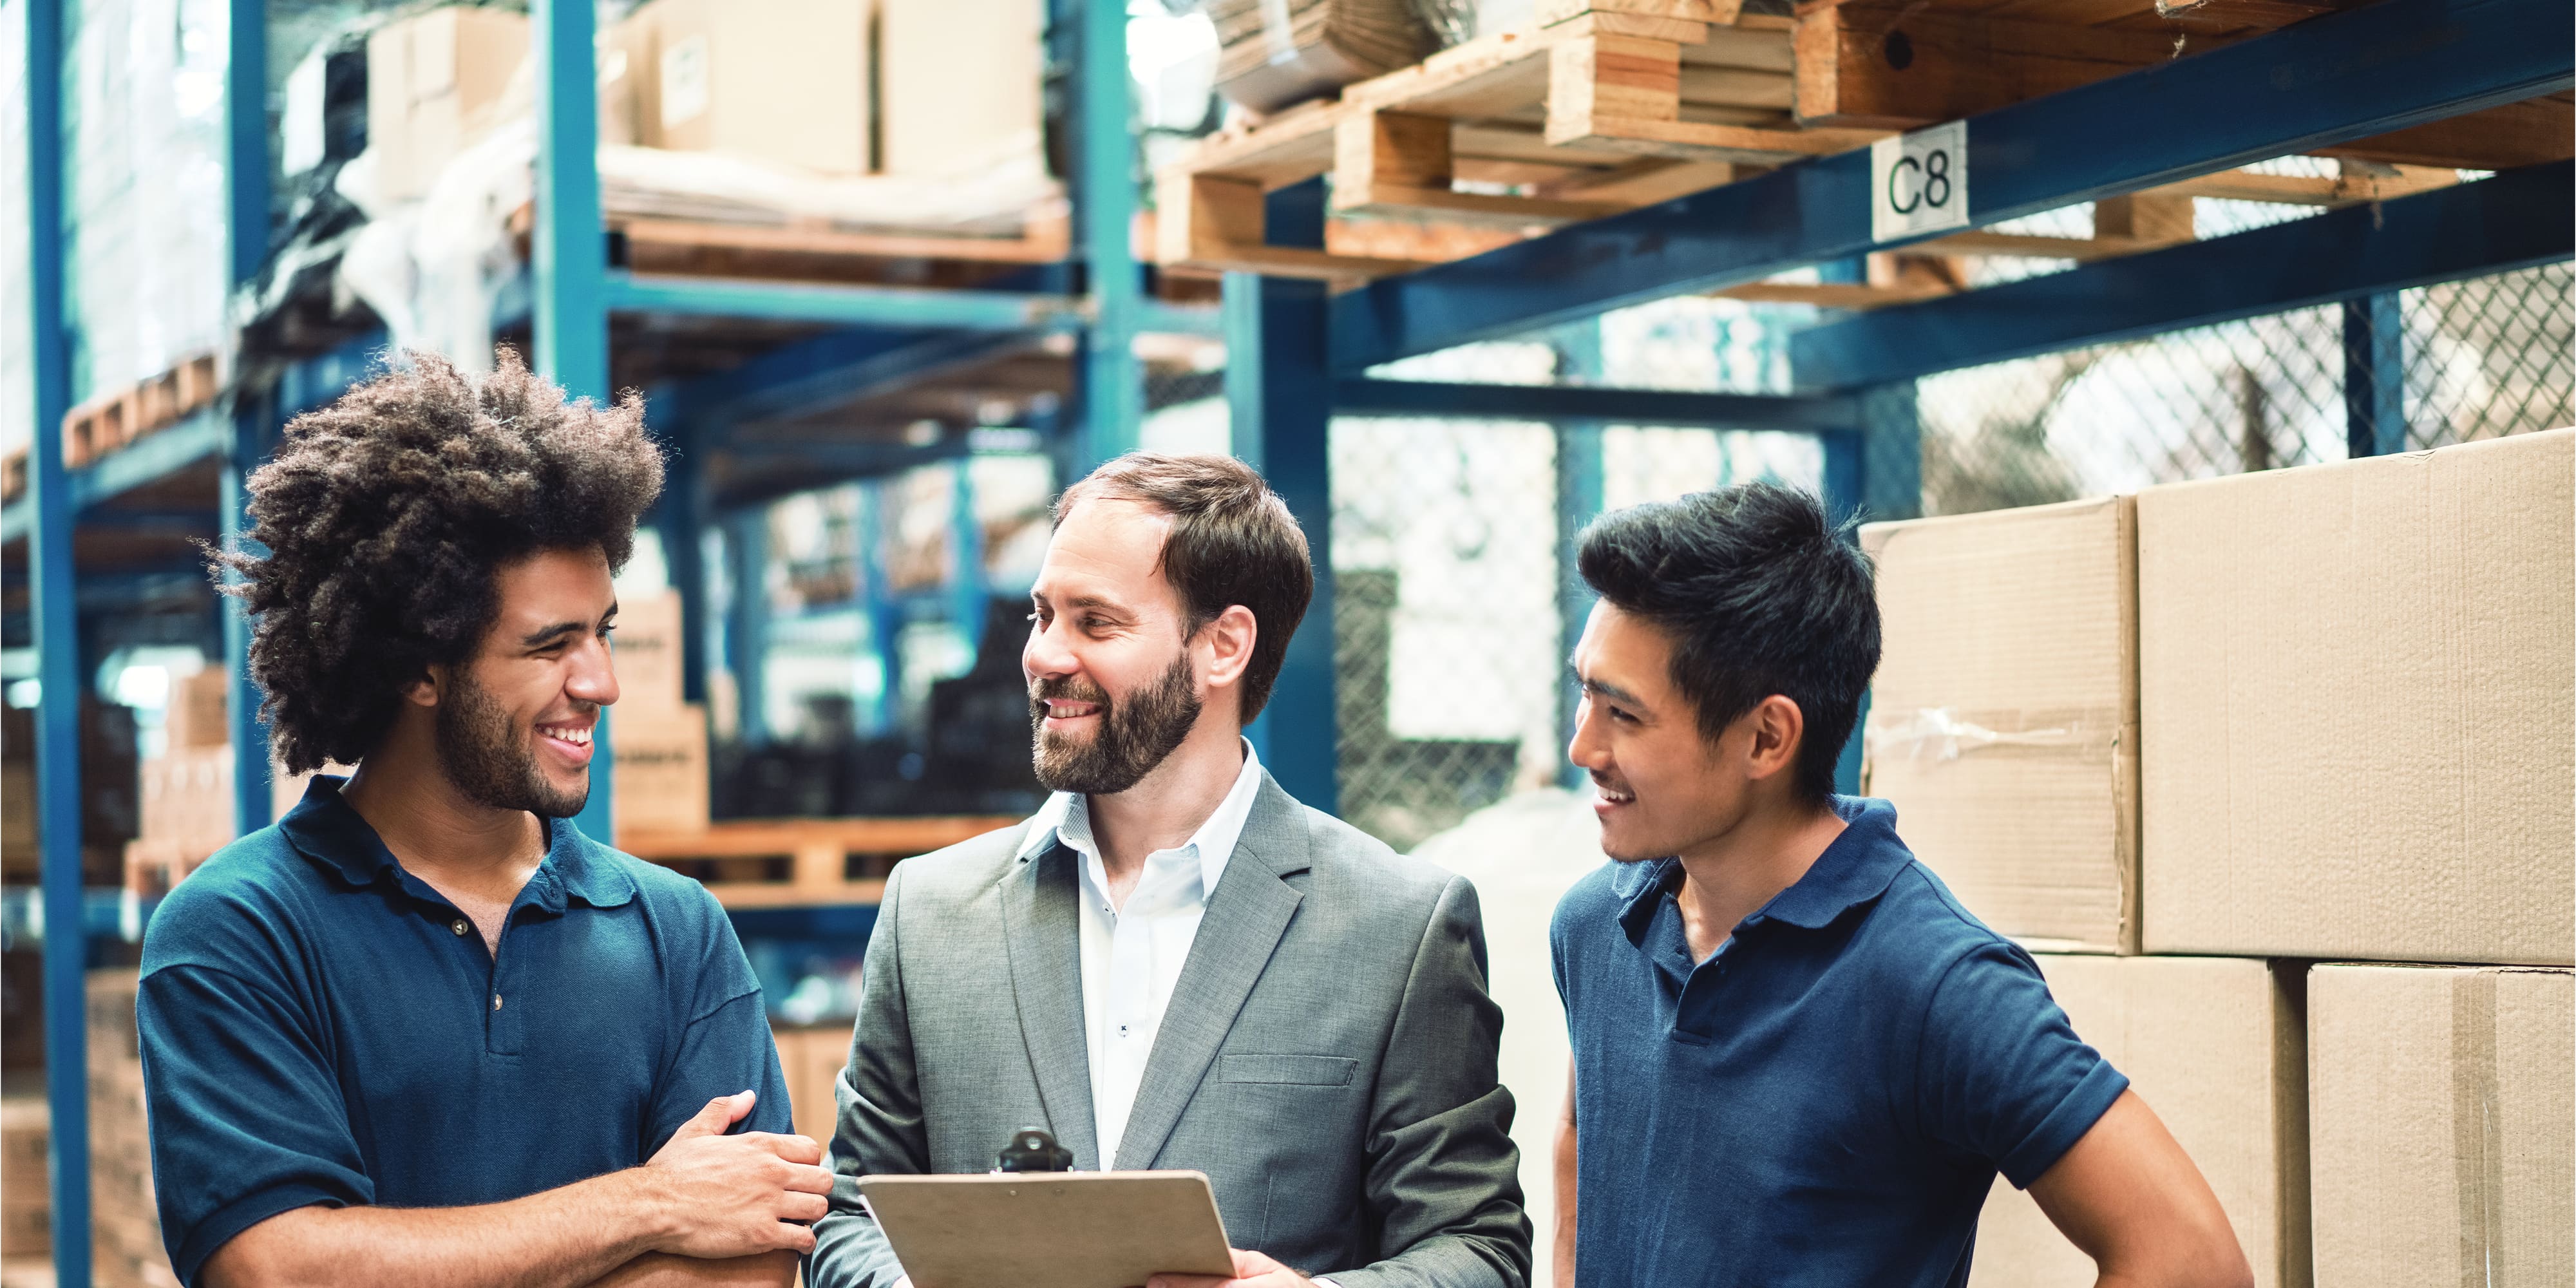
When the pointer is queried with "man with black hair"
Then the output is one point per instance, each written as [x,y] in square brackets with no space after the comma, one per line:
[423,1031]
[1797,1059]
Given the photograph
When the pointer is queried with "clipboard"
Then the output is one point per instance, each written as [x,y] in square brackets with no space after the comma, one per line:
[1060,1229]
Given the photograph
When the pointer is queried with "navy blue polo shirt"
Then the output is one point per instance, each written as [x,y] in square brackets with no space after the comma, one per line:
[1827,1098]
[319,1026]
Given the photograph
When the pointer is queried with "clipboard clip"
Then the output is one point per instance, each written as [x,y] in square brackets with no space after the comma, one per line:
[1032,1150]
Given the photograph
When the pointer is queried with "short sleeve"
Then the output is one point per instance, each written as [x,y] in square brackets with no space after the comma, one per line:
[2001,1075]
[247,1117]
[725,1047]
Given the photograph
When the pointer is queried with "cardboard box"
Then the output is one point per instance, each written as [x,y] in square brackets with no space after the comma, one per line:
[435,83]
[196,714]
[812,1059]
[964,84]
[647,649]
[2443,1127]
[188,800]
[660,763]
[2003,722]
[2359,708]
[26,1201]
[775,80]
[2216,1046]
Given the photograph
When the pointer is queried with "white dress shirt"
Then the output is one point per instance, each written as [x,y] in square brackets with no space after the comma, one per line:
[1132,955]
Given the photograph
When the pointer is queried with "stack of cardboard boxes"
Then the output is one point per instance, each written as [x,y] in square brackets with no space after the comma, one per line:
[26,1202]
[187,810]
[658,742]
[2276,773]
[125,1222]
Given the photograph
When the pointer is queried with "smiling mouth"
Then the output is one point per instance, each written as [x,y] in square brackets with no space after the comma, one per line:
[1608,795]
[1059,710]
[574,738]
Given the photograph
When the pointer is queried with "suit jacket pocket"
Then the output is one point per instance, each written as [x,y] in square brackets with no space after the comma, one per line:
[1291,1070]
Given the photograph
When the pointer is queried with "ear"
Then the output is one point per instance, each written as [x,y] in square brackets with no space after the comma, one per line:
[1229,641]
[1777,726]
[423,692]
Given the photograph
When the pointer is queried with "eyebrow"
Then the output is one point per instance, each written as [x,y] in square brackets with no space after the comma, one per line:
[543,636]
[1610,691]
[1081,601]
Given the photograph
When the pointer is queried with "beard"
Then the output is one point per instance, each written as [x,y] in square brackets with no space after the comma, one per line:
[1135,733]
[487,757]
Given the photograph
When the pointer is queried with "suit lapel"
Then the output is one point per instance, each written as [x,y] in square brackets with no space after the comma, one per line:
[1246,917]
[1044,944]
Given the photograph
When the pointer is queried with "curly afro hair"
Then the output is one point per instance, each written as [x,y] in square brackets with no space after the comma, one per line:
[387,517]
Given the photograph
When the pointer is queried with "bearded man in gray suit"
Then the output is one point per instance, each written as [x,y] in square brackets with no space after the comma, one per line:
[1174,964]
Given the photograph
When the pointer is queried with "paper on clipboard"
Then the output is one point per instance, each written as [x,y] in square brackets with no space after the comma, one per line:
[1061,1229]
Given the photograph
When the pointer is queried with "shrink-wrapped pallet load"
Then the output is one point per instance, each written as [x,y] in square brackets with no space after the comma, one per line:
[1275,53]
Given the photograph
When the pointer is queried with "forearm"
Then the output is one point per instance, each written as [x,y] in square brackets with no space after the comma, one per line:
[563,1238]
[1561,1263]
[662,1270]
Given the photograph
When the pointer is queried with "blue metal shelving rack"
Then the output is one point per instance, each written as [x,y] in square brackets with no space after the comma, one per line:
[1299,356]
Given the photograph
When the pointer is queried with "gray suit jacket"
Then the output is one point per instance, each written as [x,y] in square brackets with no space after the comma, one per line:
[1327,1057]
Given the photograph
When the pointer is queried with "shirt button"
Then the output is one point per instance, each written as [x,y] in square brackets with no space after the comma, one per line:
[458,926]
[496,1001]
[1122,1030]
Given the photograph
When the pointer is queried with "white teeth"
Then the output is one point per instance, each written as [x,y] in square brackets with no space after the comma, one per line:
[577,737]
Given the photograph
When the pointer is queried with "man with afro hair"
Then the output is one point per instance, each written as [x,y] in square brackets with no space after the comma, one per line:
[423,1031]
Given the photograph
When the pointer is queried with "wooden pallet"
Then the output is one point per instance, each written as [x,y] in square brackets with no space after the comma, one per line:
[775,863]
[1593,114]
[113,419]
[808,252]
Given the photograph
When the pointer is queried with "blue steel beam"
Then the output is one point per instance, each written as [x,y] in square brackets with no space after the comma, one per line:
[1111,382]
[569,256]
[1581,487]
[2374,375]
[1362,396]
[58,668]
[874,306]
[2326,81]
[156,456]
[1278,396]
[246,233]
[2515,220]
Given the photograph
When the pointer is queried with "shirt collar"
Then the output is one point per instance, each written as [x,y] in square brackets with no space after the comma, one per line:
[1066,818]
[325,828]
[1855,869]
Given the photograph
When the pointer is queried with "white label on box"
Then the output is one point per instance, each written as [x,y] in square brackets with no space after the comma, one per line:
[1918,182]
[684,81]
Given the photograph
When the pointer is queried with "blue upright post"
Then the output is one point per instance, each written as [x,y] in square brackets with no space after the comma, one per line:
[1105,209]
[58,669]
[747,620]
[681,522]
[246,230]
[1279,400]
[1579,497]
[2374,375]
[966,539]
[1891,455]
[570,254]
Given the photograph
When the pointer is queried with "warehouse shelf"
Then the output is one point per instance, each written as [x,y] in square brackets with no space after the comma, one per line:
[775,863]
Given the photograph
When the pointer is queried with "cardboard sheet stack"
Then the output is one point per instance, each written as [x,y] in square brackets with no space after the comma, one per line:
[658,742]
[125,1223]
[2277,775]
[1275,53]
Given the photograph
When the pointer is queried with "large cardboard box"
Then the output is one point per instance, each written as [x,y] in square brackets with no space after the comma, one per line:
[2443,1125]
[964,84]
[435,83]
[659,760]
[196,714]
[26,1201]
[2003,722]
[2359,708]
[776,80]
[647,648]
[2216,1047]
[812,1060]
[188,799]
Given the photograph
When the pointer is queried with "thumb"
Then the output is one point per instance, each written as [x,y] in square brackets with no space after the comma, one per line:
[720,1113]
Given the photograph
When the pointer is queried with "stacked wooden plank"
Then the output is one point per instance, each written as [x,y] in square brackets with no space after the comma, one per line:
[1606,105]
[1274,53]
[118,417]
[770,863]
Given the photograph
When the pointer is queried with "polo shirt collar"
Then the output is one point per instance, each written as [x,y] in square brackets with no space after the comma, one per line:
[328,830]
[1855,869]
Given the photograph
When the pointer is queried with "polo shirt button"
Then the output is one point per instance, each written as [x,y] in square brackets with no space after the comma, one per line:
[458,926]
[496,1001]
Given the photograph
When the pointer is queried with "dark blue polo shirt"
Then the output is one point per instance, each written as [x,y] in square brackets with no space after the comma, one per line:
[1826,1099]
[319,1026]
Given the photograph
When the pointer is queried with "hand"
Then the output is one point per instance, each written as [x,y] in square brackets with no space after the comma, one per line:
[1251,1270]
[733,1196]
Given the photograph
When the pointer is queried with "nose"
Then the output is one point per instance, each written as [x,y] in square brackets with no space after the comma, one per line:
[592,673]
[1589,748]
[1046,656]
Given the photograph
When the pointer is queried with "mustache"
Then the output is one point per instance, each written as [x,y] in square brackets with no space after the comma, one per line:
[1065,688]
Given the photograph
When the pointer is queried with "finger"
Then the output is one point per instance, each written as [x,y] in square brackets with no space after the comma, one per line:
[795,1237]
[710,1121]
[742,1103]
[798,1206]
[795,1149]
